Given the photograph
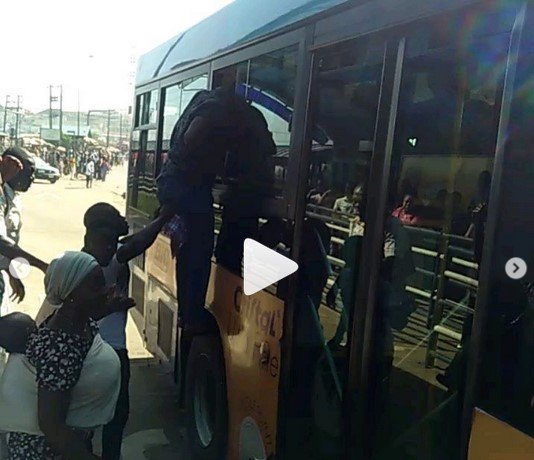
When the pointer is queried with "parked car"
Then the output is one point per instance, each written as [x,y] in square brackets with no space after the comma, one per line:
[44,171]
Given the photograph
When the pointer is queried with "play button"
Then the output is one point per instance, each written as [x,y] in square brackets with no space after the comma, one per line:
[263,266]
[516,268]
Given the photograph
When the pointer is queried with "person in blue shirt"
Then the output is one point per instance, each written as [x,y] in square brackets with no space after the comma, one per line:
[104,225]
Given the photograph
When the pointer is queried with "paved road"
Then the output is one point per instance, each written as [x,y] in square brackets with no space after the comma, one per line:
[53,223]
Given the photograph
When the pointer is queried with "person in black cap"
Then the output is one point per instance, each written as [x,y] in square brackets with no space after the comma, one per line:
[104,225]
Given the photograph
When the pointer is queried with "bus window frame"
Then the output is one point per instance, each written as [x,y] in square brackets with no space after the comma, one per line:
[378,188]
[167,82]
[139,93]
[480,319]
[283,207]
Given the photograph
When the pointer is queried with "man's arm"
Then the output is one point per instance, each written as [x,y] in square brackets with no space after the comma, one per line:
[52,414]
[11,251]
[136,244]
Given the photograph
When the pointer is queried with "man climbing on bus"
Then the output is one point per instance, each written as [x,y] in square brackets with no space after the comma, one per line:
[212,125]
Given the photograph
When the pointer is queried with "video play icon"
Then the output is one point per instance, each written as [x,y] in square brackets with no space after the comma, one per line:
[263,266]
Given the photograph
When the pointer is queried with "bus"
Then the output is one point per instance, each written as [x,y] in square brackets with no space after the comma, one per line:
[403,187]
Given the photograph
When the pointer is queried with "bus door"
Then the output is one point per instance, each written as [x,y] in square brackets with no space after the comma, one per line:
[250,202]
[503,391]
[345,101]
[431,245]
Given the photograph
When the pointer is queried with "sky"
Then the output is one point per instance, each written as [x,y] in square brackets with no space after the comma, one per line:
[90,47]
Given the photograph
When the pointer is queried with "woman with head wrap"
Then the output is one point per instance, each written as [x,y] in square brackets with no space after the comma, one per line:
[77,374]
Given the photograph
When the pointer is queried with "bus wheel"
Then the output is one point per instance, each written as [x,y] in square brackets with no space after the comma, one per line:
[206,400]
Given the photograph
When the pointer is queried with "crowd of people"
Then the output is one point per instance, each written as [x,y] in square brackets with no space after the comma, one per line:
[70,366]
[445,209]
[68,370]
[91,164]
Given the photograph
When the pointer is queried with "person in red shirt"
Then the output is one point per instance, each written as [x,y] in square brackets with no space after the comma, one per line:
[405,212]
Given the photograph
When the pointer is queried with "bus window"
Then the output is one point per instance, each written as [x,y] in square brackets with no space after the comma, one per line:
[176,98]
[133,169]
[271,89]
[506,380]
[146,200]
[138,108]
[149,113]
[267,82]
[434,229]
[347,92]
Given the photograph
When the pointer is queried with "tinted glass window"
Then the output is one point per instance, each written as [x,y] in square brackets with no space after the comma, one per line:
[434,231]
[506,387]
[347,90]
[147,201]
[133,168]
[152,111]
[171,111]
[176,99]
[268,84]
[138,109]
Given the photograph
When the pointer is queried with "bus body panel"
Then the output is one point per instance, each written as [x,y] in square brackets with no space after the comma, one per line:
[250,330]
[492,439]
[161,306]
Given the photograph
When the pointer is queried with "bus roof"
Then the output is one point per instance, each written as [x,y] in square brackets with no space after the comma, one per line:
[240,22]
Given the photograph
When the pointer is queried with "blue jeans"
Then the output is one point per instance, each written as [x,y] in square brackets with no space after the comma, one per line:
[193,266]
[176,190]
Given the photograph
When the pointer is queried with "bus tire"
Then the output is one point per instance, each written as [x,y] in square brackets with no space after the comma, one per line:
[206,399]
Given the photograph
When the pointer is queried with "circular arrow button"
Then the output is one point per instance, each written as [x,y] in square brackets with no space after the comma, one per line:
[516,268]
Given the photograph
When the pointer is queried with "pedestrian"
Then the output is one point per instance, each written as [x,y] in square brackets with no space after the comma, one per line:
[89,172]
[67,381]
[98,169]
[103,227]
[72,167]
[104,169]
[11,287]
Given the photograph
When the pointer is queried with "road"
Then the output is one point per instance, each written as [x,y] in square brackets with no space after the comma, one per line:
[53,223]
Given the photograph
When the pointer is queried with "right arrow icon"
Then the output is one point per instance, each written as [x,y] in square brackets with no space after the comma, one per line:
[263,266]
[516,268]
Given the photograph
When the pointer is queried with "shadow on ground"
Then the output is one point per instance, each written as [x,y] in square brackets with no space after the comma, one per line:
[156,427]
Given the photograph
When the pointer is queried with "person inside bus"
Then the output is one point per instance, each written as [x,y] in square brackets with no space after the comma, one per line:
[459,218]
[405,213]
[63,353]
[346,204]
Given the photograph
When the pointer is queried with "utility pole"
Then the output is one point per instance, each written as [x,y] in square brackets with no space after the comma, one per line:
[50,100]
[60,113]
[5,113]
[78,124]
[109,122]
[120,129]
[17,115]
